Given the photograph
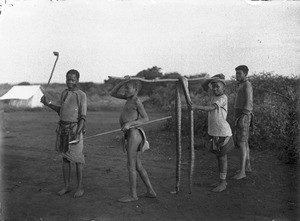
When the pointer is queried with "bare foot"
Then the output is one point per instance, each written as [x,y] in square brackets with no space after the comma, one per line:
[149,195]
[221,187]
[127,199]
[214,184]
[248,168]
[79,193]
[239,176]
[63,191]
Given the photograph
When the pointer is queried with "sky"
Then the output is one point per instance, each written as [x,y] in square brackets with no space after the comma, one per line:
[102,38]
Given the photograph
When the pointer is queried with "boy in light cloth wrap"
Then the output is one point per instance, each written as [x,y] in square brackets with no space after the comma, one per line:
[219,130]
[134,139]
[243,116]
[72,113]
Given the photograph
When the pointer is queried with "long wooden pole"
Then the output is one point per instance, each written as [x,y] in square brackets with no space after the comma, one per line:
[157,80]
[178,136]
[118,130]
[192,151]
[188,99]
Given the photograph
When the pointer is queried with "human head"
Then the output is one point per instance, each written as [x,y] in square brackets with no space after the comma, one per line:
[132,87]
[218,87]
[241,72]
[72,78]
[75,72]
[218,78]
[207,83]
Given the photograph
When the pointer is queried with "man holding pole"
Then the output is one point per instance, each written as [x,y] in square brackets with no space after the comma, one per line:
[72,113]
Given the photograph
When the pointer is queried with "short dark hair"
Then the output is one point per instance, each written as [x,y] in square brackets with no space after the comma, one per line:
[243,68]
[75,72]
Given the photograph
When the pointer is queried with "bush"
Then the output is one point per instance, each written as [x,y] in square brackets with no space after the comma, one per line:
[276,122]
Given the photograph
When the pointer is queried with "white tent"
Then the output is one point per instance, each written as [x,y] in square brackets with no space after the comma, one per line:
[24,96]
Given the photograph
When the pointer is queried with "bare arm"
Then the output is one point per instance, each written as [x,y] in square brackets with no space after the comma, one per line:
[248,97]
[80,126]
[115,91]
[82,113]
[205,108]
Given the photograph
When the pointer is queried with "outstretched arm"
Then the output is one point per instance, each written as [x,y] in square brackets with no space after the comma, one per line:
[50,105]
[205,108]
[115,91]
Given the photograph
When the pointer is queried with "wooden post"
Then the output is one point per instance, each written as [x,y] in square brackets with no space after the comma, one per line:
[192,150]
[178,136]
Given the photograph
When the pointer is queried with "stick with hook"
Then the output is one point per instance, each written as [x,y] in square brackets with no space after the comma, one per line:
[57,55]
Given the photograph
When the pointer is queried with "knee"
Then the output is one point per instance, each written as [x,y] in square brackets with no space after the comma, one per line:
[131,167]
[223,158]
[139,167]
[241,144]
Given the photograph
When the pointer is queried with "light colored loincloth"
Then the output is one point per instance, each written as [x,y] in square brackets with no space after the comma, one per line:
[64,134]
[143,146]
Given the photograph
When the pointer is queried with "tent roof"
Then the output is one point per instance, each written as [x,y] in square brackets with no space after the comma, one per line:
[21,92]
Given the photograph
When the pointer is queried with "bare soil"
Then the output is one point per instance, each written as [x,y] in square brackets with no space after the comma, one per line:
[31,176]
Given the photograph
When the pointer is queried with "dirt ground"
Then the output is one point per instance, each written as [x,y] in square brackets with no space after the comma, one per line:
[31,176]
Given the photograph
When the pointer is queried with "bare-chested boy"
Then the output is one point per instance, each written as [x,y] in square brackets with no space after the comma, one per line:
[243,108]
[218,128]
[135,141]
[72,113]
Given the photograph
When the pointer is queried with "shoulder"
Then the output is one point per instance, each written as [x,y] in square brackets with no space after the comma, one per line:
[138,102]
[247,84]
[222,97]
[64,92]
[81,93]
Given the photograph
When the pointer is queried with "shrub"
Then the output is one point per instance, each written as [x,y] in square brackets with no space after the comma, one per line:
[276,122]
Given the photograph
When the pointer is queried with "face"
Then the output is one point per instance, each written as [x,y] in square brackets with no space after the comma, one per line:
[129,90]
[71,81]
[240,75]
[217,88]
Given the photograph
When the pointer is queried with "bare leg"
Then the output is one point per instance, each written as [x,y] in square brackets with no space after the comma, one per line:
[134,139]
[143,173]
[66,168]
[79,192]
[219,167]
[248,165]
[222,162]
[241,174]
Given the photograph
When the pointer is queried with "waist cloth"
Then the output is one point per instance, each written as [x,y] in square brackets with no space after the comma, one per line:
[243,125]
[143,146]
[66,132]
[221,145]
